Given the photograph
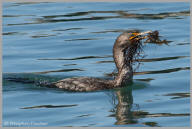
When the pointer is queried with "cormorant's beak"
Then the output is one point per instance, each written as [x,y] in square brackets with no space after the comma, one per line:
[139,36]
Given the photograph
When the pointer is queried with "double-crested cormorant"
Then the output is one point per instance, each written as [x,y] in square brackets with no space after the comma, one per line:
[124,49]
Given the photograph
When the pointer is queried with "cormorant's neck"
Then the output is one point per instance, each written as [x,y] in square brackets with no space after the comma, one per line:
[125,72]
[125,76]
[118,56]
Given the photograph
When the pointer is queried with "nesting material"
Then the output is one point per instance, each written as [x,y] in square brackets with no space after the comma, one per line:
[135,51]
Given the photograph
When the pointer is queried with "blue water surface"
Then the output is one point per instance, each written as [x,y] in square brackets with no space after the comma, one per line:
[49,41]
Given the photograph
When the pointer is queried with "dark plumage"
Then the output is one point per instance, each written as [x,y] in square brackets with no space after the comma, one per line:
[124,49]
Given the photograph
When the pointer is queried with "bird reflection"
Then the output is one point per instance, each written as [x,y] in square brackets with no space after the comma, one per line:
[122,101]
[123,111]
[126,112]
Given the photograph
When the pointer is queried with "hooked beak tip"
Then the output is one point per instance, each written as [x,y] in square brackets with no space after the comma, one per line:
[141,35]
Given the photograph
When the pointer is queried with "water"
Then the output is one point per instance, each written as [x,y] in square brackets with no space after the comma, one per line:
[50,41]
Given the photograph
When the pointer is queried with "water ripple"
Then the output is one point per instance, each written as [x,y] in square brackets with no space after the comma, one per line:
[68,29]
[178,95]
[62,70]
[162,71]
[76,58]
[82,39]
[120,14]
[148,60]
[153,72]
[50,106]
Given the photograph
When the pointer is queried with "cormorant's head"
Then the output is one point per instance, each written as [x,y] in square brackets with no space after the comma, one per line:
[127,39]
[128,43]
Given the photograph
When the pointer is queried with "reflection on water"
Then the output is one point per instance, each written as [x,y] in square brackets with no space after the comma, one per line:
[47,41]
[123,108]
[125,114]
